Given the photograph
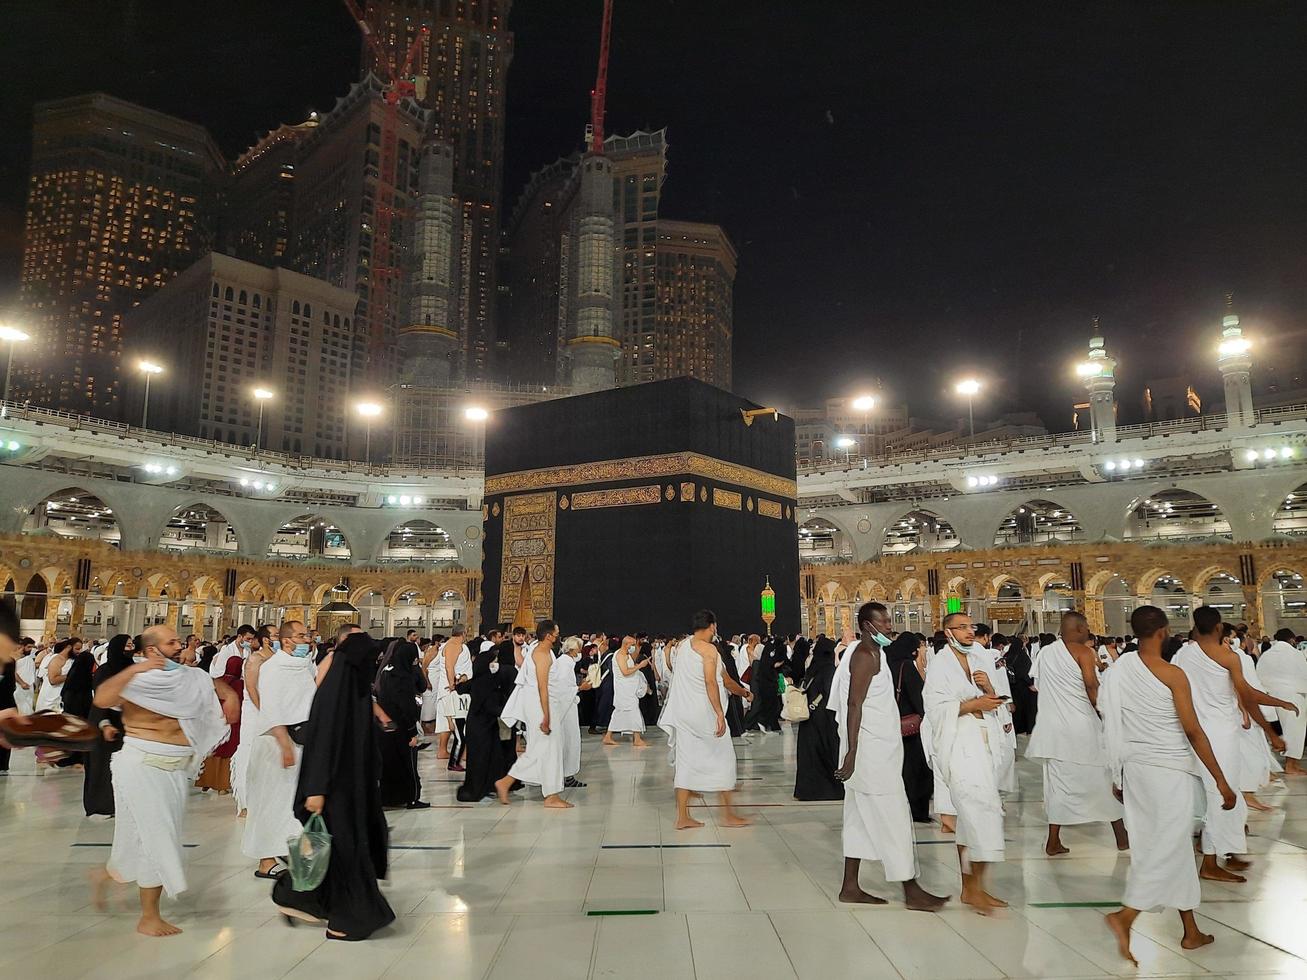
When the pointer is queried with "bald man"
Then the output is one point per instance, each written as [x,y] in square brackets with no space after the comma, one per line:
[1068,739]
[173,717]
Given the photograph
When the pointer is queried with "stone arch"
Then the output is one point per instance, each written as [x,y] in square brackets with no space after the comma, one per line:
[206,588]
[919,529]
[956,584]
[873,591]
[1290,518]
[160,582]
[252,590]
[1144,583]
[290,593]
[911,589]
[74,512]
[822,539]
[310,535]
[1271,569]
[1282,598]
[999,583]
[358,593]
[1205,576]
[1174,513]
[419,594]
[178,530]
[417,539]
[37,595]
[1038,521]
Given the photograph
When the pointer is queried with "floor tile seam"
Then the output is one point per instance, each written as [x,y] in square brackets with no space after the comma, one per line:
[803,865]
[1256,939]
[498,954]
[848,914]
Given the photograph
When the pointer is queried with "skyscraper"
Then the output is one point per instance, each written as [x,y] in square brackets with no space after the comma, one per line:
[120,200]
[694,325]
[465,65]
[639,168]
[336,206]
[258,217]
[226,327]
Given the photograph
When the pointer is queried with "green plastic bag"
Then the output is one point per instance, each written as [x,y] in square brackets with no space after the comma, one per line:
[310,853]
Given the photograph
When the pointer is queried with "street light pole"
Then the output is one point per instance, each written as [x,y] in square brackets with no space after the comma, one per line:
[12,335]
[148,368]
[369,411]
[261,395]
[969,387]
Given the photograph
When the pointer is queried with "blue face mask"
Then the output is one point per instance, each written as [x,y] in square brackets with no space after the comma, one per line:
[301,650]
[880,639]
[171,665]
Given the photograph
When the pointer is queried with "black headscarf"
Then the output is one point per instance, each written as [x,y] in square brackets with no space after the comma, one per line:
[903,648]
[820,672]
[397,684]
[115,661]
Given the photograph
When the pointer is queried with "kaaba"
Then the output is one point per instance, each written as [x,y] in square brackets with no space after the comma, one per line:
[627,510]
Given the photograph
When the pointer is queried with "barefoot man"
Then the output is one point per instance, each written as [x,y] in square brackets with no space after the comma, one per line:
[1283,669]
[172,720]
[1068,738]
[877,818]
[969,755]
[1153,735]
[536,703]
[700,750]
[1221,697]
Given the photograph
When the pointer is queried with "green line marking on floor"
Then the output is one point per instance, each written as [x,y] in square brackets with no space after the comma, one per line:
[1074,905]
[622,912]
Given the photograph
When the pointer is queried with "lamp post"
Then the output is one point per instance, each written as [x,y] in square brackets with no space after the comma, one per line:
[11,336]
[969,387]
[149,369]
[261,395]
[479,415]
[864,404]
[369,411]
[846,443]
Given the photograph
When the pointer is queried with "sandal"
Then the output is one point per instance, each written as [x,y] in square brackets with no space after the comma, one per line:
[273,873]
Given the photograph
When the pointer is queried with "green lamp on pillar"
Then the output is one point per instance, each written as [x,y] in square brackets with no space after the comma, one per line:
[768,598]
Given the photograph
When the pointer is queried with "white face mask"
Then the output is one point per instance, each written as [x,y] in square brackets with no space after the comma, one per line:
[957,645]
[631,650]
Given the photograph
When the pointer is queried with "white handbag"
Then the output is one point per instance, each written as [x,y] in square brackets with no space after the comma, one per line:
[794,705]
[455,705]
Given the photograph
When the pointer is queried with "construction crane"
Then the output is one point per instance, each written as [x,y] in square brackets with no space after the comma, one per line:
[594,135]
[397,82]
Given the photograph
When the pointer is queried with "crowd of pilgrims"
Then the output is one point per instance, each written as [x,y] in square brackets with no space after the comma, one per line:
[294,724]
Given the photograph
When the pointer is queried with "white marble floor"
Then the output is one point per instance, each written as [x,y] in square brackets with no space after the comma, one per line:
[488,891]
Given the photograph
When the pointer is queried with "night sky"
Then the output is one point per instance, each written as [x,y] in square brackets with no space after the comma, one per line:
[916,190]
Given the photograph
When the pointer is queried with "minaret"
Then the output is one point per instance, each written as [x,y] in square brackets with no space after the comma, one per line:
[1098,373]
[1235,362]
[592,348]
[429,338]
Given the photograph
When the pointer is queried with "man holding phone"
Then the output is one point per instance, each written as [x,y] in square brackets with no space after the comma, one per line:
[1068,738]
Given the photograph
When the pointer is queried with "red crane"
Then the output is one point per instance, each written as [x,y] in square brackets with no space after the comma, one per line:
[397,83]
[599,94]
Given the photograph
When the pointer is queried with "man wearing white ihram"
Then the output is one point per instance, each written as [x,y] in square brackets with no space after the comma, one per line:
[172,720]
[1283,669]
[544,706]
[969,755]
[877,818]
[694,718]
[1221,695]
[1068,738]
[1153,736]
[629,686]
[286,687]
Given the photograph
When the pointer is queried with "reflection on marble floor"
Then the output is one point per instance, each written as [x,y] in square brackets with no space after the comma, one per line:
[488,891]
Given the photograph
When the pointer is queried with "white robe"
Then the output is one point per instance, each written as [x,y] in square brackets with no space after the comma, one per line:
[627,692]
[1068,739]
[543,762]
[50,697]
[462,668]
[1153,763]
[218,665]
[1283,669]
[1217,707]
[25,668]
[151,780]
[563,692]
[968,755]
[877,817]
[995,668]
[286,688]
[431,696]
[703,761]
[1258,760]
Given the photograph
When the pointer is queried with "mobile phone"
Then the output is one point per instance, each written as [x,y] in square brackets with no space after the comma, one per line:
[1003,697]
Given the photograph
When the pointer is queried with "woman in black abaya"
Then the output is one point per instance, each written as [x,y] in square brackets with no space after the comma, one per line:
[817,754]
[649,709]
[338,778]
[97,785]
[485,751]
[904,658]
[1024,700]
[765,711]
[399,686]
